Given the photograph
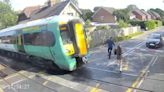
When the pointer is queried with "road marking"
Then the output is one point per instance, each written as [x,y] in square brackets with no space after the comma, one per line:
[139,80]
[70,84]
[154,61]
[133,49]
[1,90]
[95,89]
[45,83]
[2,67]
[13,75]
[111,71]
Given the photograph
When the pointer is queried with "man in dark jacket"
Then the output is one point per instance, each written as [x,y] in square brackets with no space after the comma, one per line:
[110,46]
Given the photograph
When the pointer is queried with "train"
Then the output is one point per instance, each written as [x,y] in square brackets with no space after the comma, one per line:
[60,39]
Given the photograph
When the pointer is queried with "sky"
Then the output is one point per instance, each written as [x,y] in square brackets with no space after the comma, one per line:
[90,4]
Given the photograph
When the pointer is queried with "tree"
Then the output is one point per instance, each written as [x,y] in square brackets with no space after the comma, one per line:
[86,14]
[122,14]
[75,2]
[6,1]
[132,7]
[7,16]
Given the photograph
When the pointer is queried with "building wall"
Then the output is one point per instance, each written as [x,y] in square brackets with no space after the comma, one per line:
[102,16]
[70,10]
[100,37]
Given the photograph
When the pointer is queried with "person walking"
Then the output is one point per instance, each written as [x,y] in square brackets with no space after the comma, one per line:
[110,46]
[119,57]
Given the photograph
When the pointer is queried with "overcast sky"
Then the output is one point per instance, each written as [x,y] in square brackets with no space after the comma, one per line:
[142,4]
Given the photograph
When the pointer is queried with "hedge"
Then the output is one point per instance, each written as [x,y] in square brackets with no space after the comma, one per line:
[138,23]
[122,24]
[150,24]
[147,25]
[121,38]
[158,23]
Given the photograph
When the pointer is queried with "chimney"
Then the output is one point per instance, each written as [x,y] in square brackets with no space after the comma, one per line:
[51,2]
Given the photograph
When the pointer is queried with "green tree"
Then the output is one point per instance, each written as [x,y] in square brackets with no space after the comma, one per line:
[75,2]
[7,16]
[86,14]
[122,14]
[131,7]
[6,1]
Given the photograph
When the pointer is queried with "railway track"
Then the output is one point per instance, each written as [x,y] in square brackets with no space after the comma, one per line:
[24,77]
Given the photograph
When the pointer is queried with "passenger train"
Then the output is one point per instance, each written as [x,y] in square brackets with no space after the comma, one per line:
[61,39]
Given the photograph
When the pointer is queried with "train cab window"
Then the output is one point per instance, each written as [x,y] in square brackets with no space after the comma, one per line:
[44,38]
[64,31]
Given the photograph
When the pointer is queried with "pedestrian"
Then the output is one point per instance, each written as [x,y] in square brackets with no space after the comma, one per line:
[110,46]
[119,57]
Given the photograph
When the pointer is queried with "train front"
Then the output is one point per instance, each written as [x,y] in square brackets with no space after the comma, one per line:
[75,42]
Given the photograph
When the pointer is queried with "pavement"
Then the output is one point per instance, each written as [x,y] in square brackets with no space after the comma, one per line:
[143,71]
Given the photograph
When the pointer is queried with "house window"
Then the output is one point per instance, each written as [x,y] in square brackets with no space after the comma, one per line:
[71,14]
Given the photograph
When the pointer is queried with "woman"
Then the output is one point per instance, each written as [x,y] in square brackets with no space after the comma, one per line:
[119,56]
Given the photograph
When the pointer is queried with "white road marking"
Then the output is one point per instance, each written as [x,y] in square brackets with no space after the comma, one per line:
[70,84]
[104,70]
[154,61]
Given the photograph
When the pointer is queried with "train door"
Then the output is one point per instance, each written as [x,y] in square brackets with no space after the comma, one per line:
[20,43]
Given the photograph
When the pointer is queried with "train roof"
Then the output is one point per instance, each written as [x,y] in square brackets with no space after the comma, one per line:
[39,22]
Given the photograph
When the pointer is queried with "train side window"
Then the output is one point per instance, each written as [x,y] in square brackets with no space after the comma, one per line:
[8,40]
[44,38]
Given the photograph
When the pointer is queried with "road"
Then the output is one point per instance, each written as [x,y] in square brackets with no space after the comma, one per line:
[143,71]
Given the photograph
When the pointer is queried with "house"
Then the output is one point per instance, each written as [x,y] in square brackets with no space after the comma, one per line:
[148,16]
[152,16]
[132,16]
[156,15]
[51,9]
[139,15]
[26,13]
[104,15]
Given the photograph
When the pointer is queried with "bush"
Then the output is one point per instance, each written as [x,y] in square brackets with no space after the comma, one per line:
[163,22]
[158,23]
[135,23]
[122,24]
[102,28]
[150,24]
[121,38]
[88,22]
[138,23]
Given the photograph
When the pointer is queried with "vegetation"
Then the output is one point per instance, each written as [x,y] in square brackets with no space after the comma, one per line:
[158,23]
[88,23]
[102,28]
[75,2]
[121,38]
[122,14]
[150,24]
[7,16]
[122,24]
[87,14]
